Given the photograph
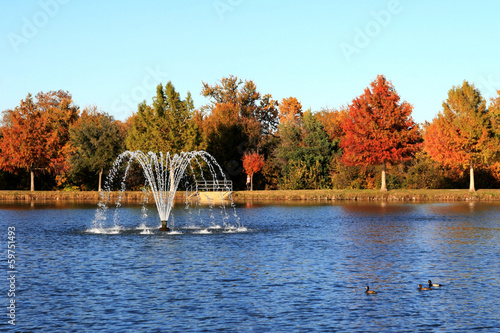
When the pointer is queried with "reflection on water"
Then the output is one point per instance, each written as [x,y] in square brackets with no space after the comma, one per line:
[288,269]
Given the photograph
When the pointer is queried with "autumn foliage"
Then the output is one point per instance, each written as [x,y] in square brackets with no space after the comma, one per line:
[379,128]
[252,163]
[332,121]
[36,133]
[290,111]
[461,135]
[372,142]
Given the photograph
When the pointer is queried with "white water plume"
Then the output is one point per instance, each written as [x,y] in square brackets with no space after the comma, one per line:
[163,173]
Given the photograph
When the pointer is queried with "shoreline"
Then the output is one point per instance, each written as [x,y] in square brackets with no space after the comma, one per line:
[369,195]
[268,196]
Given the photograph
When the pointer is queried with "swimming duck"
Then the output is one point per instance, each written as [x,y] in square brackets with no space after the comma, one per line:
[368,291]
[425,288]
[434,284]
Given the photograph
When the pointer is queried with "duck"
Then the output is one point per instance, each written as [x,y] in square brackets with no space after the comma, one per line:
[424,288]
[368,291]
[434,284]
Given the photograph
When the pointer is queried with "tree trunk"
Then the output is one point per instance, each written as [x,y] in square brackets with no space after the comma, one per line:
[383,188]
[32,185]
[251,182]
[100,180]
[472,187]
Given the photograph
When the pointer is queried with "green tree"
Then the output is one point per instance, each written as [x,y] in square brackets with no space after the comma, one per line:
[97,139]
[304,153]
[167,125]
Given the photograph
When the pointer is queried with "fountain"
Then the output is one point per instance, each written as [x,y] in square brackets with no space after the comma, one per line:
[163,172]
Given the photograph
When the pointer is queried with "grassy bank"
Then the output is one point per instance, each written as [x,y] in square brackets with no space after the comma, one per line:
[77,196]
[370,195]
[297,195]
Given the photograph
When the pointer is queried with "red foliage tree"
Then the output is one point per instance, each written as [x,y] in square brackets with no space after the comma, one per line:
[379,128]
[34,135]
[252,163]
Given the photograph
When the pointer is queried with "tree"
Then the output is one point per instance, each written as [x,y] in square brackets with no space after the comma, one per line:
[35,134]
[57,106]
[379,129]
[304,152]
[461,135]
[290,111]
[237,118]
[224,136]
[97,140]
[167,125]
[332,122]
[258,114]
[252,163]
[494,110]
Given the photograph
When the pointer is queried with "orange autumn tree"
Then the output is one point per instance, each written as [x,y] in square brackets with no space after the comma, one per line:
[222,132]
[494,111]
[34,135]
[252,163]
[461,136]
[332,122]
[379,129]
[290,111]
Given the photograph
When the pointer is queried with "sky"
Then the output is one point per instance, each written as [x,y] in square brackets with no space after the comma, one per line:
[113,54]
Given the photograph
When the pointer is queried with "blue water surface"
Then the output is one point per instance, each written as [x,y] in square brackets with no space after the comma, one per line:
[273,268]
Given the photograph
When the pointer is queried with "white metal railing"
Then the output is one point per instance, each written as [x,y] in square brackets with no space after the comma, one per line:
[210,186]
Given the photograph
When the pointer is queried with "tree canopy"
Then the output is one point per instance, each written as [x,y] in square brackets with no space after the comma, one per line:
[304,152]
[45,135]
[34,135]
[252,163]
[257,113]
[166,125]
[97,139]
[461,135]
[237,118]
[379,128]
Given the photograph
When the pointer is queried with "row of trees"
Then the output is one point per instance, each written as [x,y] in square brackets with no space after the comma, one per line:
[372,142]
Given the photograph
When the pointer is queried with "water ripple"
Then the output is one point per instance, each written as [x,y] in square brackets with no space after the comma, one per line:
[288,269]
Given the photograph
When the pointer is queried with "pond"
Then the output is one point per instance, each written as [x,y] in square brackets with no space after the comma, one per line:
[282,268]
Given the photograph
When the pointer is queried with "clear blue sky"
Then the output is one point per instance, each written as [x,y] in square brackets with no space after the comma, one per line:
[324,53]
